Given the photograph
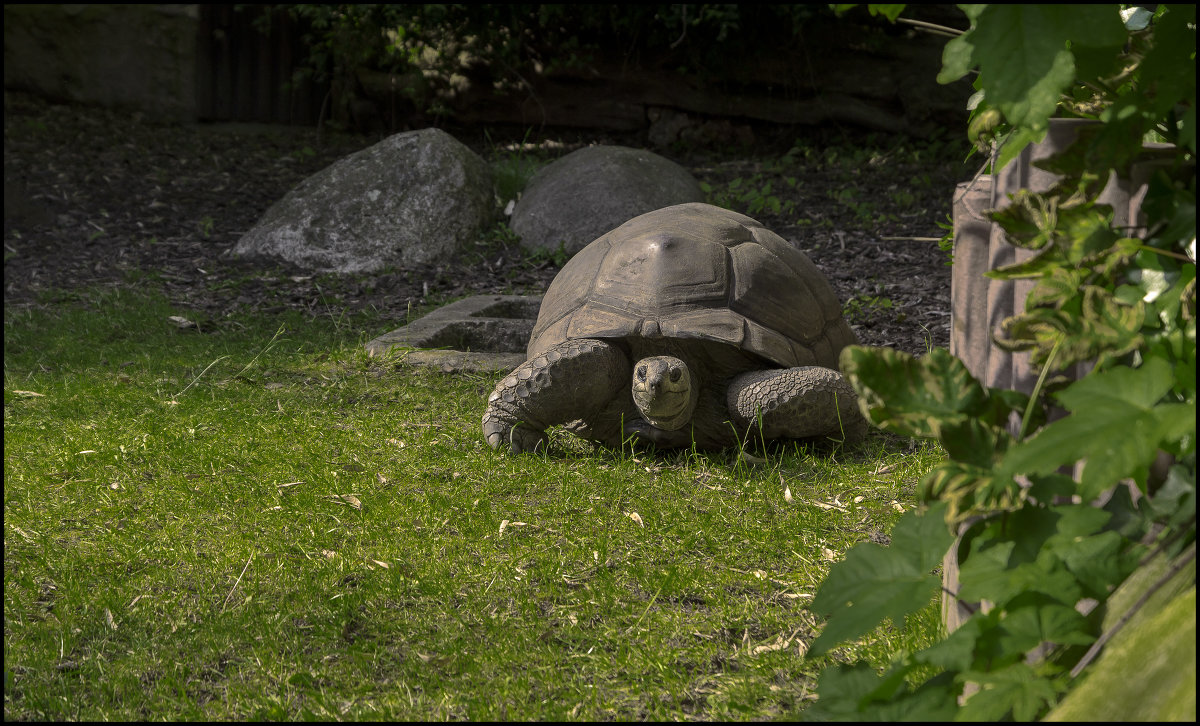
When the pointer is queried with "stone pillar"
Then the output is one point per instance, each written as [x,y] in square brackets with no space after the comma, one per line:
[980,304]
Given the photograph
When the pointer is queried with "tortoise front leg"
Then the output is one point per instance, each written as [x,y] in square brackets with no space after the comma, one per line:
[570,381]
[796,403]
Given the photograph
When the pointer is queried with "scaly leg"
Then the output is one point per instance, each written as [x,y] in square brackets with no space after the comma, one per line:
[573,380]
[796,403]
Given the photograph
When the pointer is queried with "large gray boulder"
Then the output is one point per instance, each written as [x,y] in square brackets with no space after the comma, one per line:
[413,198]
[594,190]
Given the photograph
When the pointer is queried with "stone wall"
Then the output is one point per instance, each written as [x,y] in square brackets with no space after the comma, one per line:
[139,57]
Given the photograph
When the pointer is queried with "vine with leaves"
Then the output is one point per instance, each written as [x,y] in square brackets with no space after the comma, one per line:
[1034,545]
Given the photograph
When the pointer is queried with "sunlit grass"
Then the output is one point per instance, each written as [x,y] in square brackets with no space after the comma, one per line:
[256,520]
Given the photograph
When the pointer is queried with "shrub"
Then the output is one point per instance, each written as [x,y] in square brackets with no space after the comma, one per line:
[1033,543]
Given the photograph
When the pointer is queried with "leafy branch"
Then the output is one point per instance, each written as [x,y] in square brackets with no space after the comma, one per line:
[1033,547]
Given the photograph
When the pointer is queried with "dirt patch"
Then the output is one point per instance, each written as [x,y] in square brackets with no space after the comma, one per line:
[97,197]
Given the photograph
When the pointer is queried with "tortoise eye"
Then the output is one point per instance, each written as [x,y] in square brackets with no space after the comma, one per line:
[675,374]
[641,373]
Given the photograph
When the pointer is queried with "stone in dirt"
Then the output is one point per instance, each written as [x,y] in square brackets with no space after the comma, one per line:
[478,333]
[414,198]
[594,190]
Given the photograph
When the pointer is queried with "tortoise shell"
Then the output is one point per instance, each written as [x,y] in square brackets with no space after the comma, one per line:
[696,271]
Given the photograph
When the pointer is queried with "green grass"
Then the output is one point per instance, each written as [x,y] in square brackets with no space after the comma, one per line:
[239,522]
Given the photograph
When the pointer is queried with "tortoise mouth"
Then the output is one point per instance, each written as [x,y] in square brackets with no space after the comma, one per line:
[667,410]
[667,406]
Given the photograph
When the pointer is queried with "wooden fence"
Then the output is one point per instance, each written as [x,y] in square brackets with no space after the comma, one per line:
[246,56]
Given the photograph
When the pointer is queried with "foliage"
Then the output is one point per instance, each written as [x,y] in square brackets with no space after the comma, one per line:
[1033,543]
[752,195]
[861,308]
[434,51]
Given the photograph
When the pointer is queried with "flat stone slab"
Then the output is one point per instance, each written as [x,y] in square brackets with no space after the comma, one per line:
[480,333]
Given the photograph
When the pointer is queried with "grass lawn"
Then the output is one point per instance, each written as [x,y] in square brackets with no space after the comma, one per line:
[253,519]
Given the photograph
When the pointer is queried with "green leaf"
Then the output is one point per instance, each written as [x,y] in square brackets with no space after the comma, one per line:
[935,700]
[857,693]
[1085,231]
[968,490]
[990,577]
[873,582]
[1187,129]
[844,690]
[1023,60]
[1004,401]
[1175,501]
[974,641]
[1055,290]
[1096,561]
[848,692]
[891,12]
[1015,142]
[1093,325]
[1015,689]
[923,537]
[957,58]
[1165,200]
[1044,262]
[1044,488]
[910,396]
[1032,618]
[1115,426]
[1174,49]
[1005,558]
[1110,326]
[1077,520]
[1029,219]
[973,441]
[1094,26]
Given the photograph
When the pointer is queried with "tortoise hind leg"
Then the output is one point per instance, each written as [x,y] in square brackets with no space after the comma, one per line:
[570,381]
[796,403]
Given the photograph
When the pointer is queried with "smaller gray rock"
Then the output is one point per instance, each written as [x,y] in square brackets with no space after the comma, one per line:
[594,190]
[413,198]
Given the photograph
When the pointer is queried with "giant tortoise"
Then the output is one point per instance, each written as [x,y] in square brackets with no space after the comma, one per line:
[687,325]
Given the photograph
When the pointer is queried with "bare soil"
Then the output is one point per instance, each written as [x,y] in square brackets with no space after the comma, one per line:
[99,197]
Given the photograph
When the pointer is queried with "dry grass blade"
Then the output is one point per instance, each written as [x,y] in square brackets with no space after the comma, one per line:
[750,458]
[349,500]
[779,644]
[237,582]
[823,505]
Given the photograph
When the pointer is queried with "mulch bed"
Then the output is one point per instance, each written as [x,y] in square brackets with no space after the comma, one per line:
[100,197]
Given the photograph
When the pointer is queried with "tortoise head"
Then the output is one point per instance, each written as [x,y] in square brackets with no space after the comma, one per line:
[663,391]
